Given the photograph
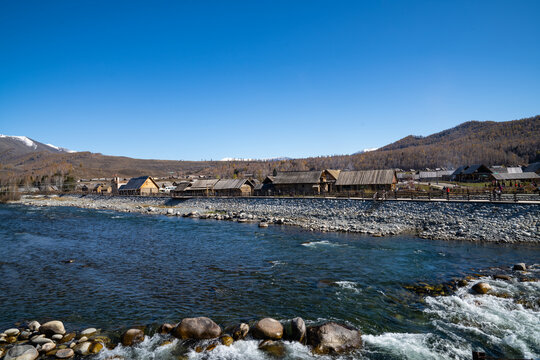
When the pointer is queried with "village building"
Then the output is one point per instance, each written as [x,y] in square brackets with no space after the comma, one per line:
[523,176]
[351,181]
[143,185]
[472,173]
[201,187]
[403,176]
[303,182]
[264,188]
[179,189]
[102,189]
[234,187]
[434,175]
[116,184]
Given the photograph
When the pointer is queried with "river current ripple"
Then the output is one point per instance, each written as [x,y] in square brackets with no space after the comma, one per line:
[133,269]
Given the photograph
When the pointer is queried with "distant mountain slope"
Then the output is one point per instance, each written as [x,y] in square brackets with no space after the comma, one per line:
[489,142]
[508,143]
[491,133]
[14,146]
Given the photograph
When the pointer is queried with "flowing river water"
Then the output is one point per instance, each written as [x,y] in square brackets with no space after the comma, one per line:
[133,269]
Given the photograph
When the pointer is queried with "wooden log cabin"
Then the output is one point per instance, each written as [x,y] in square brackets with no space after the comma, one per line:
[303,182]
[180,188]
[201,187]
[234,187]
[472,173]
[143,185]
[352,181]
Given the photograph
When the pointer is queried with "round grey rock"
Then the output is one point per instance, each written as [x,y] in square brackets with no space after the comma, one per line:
[12,332]
[88,332]
[41,341]
[83,348]
[48,347]
[21,352]
[52,327]
[334,338]
[33,325]
[65,353]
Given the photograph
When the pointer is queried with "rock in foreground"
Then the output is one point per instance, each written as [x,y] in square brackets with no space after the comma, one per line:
[199,328]
[52,327]
[132,337]
[298,328]
[481,288]
[268,328]
[21,352]
[334,338]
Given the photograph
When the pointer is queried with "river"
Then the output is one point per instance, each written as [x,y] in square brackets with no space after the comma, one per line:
[115,270]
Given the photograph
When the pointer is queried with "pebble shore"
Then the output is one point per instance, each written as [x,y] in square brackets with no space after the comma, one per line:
[483,222]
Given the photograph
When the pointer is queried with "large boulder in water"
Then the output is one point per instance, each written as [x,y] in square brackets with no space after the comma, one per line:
[333,338]
[240,331]
[481,288]
[165,329]
[21,352]
[268,328]
[298,330]
[197,328]
[52,327]
[132,337]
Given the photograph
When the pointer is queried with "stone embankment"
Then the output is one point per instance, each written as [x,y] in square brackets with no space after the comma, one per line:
[50,340]
[511,223]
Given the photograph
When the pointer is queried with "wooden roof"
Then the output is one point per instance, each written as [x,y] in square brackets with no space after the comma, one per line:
[229,184]
[505,170]
[181,186]
[333,173]
[517,176]
[297,177]
[202,184]
[136,183]
[366,177]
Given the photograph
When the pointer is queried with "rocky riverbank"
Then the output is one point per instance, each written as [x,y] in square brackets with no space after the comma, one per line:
[509,223]
[200,334]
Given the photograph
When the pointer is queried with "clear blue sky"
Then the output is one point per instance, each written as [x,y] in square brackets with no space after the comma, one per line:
[211,79]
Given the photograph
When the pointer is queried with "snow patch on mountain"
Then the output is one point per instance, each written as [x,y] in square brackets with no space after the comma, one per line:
[366,150]
[240,159]
[60,148]
[28,142]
